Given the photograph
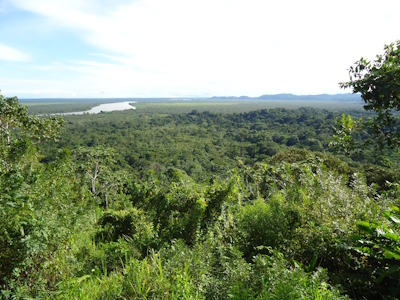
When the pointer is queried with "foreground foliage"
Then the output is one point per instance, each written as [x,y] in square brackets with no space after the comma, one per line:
[378,83]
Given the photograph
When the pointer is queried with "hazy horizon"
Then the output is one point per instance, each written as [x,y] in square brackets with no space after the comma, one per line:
[243,97]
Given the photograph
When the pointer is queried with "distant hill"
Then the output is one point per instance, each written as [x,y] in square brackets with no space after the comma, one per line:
[324,97]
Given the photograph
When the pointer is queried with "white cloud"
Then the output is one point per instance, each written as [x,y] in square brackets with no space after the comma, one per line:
[231,47]
[12,54]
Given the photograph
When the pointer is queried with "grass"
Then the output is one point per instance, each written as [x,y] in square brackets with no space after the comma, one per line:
[43,103]
[58,107]
[165,106]
[50,106]
[239,106]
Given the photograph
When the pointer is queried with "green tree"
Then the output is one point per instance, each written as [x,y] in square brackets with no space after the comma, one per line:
[96,165]
[18,131]
[19,172]
[378,82]
[343,140]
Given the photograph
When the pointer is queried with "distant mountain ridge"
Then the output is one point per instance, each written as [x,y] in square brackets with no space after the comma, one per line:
[324,97]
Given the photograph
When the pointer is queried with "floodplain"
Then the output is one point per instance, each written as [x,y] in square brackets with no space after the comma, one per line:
[167,105]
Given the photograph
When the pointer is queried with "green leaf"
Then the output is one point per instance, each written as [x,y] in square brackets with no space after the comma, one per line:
[364,226]
[392,236]
[395,209]
[390,255]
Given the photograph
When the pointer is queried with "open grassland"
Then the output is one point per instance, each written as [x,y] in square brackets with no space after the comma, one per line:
[239,106]
[46,108]
[59,107]
[165,106]
[51,106]
[40,103]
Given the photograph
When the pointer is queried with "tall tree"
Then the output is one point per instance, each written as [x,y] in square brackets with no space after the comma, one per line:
[378,82]
[19,170]
[18,130]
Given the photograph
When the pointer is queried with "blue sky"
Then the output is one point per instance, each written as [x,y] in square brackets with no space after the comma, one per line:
[187,48]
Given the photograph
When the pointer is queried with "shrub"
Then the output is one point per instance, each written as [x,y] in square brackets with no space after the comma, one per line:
[131,224]
[266,224]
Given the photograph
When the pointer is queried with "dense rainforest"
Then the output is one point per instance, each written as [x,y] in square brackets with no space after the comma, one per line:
[190,206]
[204,143]
[202,205]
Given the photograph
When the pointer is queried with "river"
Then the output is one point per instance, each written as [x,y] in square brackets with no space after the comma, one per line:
[107,107]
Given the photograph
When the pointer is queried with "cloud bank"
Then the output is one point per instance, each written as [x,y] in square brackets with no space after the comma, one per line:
[11,54]
[209,47]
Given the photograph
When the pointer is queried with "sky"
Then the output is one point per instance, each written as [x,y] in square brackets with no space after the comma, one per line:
[187,48]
